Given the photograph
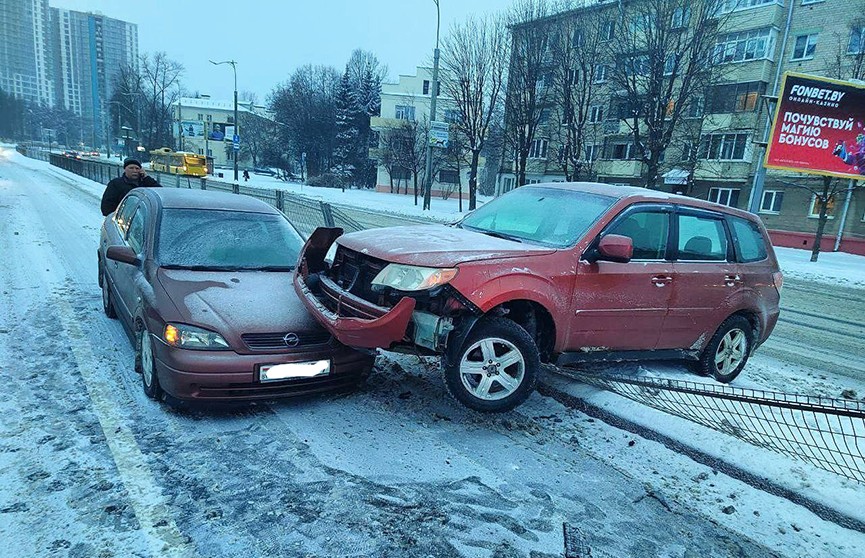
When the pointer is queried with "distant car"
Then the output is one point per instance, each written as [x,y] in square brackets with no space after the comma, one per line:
[560,273]
[263,170]
[201,281]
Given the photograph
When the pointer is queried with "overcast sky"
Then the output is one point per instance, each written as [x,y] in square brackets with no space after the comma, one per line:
[270,38]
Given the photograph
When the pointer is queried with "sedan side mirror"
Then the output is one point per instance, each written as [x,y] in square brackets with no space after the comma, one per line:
[123,254]
[613,248]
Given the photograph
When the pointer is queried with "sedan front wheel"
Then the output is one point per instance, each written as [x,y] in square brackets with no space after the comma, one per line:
[145,363]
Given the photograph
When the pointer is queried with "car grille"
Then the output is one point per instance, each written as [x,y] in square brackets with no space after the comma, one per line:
[276,341]
[354,272]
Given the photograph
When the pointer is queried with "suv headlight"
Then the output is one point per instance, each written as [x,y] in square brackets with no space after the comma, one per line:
[413,278]
[191,337]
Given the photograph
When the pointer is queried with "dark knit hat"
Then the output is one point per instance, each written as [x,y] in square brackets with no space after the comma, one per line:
[128,162]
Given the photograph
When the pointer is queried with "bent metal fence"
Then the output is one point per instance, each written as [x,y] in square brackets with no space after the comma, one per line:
[828,433]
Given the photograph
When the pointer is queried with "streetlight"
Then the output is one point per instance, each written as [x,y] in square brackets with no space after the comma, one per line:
[236,123]
[432,112]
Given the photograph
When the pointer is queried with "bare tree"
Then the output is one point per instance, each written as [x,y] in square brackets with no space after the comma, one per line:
[665,56]
[577,47]
[529,79]
[160,80]
[474,62]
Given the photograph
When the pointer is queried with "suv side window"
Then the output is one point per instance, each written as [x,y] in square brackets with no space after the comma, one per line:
[748,240]
[649,231]
[124,213]
[135,238]
[701,238]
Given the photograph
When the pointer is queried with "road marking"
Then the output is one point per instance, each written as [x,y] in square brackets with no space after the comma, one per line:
[161,533]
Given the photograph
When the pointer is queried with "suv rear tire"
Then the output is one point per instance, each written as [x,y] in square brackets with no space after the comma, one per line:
[495,369]
[727,352]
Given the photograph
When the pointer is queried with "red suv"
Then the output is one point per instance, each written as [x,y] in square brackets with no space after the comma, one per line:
[559,273]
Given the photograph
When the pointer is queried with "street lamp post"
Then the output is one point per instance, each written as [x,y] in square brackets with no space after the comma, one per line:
[236,123]
[432,113]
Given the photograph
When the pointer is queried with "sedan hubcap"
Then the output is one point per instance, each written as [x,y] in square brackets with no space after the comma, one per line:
[146,358]
[492,369]
[731,351]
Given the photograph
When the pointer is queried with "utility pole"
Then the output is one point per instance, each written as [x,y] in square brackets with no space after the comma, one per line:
[235,144]
[432,113]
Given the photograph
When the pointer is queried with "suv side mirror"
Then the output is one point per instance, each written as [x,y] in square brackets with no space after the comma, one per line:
[613,248]
[123,254]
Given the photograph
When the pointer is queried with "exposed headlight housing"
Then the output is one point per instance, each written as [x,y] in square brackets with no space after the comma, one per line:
[190,337]
[413,278]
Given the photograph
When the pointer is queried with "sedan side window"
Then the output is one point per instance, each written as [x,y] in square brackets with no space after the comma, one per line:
[702,239]
[135,237]
[124,213]
[649,232]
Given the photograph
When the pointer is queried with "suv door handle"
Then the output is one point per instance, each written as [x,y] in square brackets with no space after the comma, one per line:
[661,280]
[732,280]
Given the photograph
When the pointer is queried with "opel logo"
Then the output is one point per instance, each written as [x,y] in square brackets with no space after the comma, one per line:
[291,339]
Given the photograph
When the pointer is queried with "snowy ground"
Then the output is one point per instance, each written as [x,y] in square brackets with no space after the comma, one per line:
[90,467]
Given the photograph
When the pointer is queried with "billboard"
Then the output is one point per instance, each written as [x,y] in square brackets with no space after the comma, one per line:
[217,132]
[819,127]
[193,128]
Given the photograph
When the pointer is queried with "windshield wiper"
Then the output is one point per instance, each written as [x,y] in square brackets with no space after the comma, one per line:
[500,235]
[229,267]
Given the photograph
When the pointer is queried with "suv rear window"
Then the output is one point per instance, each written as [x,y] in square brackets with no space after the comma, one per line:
[548,216]
[748,240]
[702,239]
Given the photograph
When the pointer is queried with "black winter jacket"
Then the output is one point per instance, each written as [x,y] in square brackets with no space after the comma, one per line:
[119,187]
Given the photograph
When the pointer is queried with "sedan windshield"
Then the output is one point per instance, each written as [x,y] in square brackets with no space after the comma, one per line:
[535,214]
[219,240]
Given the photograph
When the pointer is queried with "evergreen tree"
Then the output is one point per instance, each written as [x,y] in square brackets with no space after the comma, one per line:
[348,116]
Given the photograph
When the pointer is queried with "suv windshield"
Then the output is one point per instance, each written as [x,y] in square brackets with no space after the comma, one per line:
[209,239]
[548,216]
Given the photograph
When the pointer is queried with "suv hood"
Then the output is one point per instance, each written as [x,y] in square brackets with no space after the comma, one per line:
[436,245]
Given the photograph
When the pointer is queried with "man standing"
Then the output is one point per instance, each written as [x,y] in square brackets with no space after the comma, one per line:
[133,177]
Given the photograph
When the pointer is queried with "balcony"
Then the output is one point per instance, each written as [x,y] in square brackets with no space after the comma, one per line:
[621,168]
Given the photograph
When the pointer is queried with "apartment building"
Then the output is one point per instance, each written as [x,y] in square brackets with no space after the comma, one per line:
[25,50]
[401,133]
[723,131]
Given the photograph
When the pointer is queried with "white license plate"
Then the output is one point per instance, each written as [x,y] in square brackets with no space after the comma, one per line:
[273,372]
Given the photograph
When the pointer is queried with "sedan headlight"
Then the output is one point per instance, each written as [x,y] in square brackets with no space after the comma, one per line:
[413,278]
[191,337]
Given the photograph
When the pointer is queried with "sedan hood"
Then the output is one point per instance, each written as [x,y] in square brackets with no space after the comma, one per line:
[237,302]
[436,245]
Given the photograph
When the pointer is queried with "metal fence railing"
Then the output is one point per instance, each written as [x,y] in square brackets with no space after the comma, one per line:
[828,433]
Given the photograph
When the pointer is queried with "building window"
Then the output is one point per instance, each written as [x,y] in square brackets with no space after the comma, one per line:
[578,40]
[681,17]
[814,210]
[400,173]
[426,87]
[857,41]
[736,97]
[724,147]
[452,116]
[596,113]
[608,30]
[210,118]
[508,184]
[695,108]
[404,112]
[230,119]
[538,150]
[771,202]
[600,73]
[592,152]
[622,151]
[734,5]
[745,45]
[805,47]
[200,116]
[724,196]
[449,176]
[669,65]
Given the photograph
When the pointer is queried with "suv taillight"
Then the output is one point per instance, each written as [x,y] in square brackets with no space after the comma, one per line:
[778,280]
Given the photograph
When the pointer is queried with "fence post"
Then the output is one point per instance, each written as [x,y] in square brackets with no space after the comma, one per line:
[280,200]
[203,183]
[327,214]
[235,188]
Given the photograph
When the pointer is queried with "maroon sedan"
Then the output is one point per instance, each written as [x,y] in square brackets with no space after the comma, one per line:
[202,283]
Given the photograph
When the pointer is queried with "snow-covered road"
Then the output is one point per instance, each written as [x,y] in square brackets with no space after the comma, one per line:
[90,467]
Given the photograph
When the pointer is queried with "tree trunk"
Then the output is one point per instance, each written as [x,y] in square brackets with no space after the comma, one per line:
[821,222]
[415,188]
[652,172]
[521,171]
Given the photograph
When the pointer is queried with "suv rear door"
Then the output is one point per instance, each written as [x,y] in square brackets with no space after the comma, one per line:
[705,279]
[622,306]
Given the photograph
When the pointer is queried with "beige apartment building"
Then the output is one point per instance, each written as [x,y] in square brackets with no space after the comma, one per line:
[402,132]
[760,40]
